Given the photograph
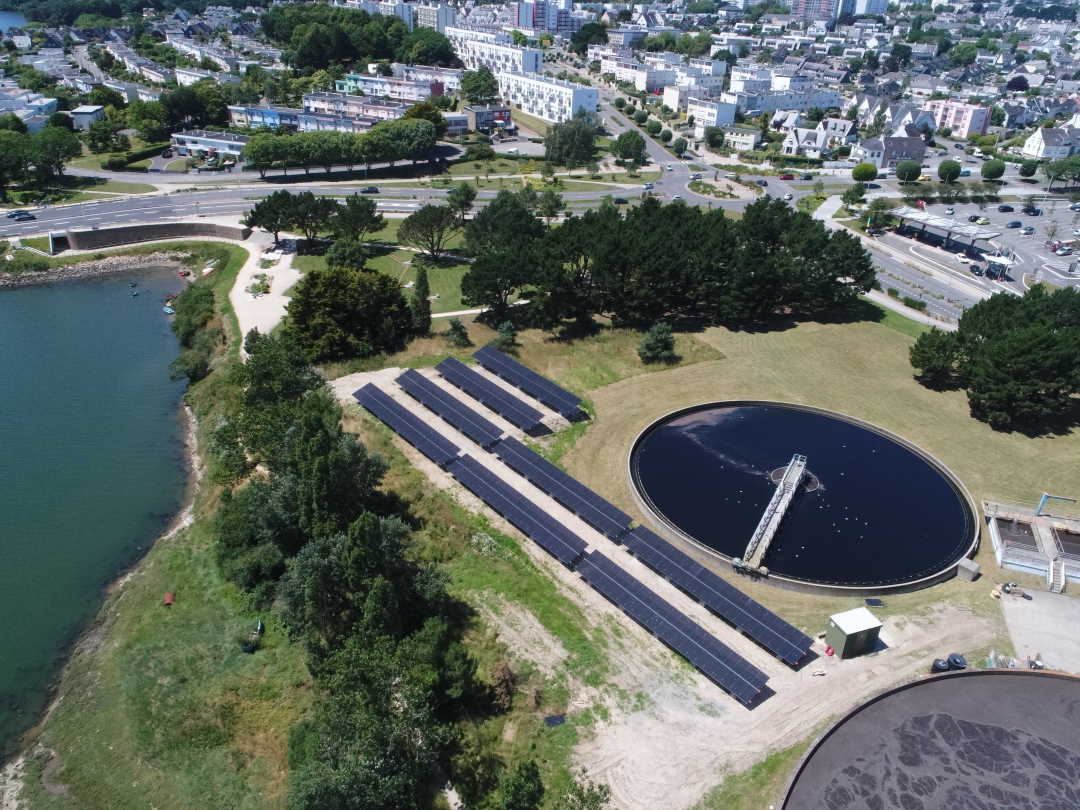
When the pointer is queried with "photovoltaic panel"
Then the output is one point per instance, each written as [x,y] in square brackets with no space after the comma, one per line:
[452,410]
[786,642]
[512,409]
[716,661]
[533,384]
[407,425]
[523,514]
[568,491]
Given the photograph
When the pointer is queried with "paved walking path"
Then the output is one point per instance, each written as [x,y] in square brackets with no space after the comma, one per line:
[263,312]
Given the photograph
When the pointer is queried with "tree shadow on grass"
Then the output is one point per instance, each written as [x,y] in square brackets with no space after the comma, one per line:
[1059,424]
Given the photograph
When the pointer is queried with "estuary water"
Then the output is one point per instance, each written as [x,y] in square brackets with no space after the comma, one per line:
[91,463]
[11,19]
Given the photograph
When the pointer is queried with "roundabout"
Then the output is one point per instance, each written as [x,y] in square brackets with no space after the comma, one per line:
[856,508]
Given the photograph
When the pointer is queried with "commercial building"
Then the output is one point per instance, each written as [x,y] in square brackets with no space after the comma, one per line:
[548,99]
[964,119]
[203,142]
[489,117]
[478,48]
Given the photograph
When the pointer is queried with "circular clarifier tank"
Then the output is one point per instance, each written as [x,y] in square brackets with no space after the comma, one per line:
[872,511]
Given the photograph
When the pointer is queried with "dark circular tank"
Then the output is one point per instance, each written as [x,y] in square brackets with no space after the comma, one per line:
[872,512]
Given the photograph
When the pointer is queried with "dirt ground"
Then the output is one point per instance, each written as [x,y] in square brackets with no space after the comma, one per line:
[669,733]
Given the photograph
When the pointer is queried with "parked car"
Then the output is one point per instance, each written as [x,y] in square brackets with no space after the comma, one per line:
[957,146]
[24,217]
[973,218]
[369,190]
[648,186]
[924,178]
[676,197]
[976,269]
[1075,206]
[787,177]
[1014,224]
[1027,230]
[808,177]
[695,176]
[982,221]
[166,153]
[1005,209]
[17,212]
[620,201]
[950,212]
[1063,251]
[1031,210]
[788,196]
[763,183]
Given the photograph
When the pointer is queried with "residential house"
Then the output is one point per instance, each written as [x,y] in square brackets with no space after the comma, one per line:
[887,151]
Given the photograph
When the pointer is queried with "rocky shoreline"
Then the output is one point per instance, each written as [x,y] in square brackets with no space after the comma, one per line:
[170,259]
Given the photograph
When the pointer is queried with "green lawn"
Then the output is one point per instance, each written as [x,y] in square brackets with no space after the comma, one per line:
[531,122]
[39,242]
[177,165]
[89,160]
[810,203]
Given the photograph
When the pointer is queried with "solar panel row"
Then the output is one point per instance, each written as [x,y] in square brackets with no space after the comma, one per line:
[516,412]
[452,410]
[523,514]
[786,642]
[571,493]
[407,425]
[533,384]
[722,666]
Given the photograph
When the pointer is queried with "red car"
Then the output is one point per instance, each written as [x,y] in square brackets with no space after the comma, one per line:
[787,177]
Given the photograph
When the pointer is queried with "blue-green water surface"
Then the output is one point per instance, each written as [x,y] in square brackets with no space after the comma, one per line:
[91,463]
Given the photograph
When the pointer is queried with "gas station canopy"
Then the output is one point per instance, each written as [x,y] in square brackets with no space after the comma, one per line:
[947,224]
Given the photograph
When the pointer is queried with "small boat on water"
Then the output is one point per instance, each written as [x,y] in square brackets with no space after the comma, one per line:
[168,310]
[134,293]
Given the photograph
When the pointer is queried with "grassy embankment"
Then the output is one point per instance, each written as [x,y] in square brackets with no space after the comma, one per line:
[69,189]
[160,707]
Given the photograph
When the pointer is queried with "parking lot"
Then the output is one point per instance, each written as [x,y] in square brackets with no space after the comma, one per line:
[1029,245]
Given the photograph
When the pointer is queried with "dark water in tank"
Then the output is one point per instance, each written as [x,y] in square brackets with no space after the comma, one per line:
[882,514]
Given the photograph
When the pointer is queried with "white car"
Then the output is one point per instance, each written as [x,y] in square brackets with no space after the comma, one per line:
[950,211]
[963,260]
[787,196]
[676,197]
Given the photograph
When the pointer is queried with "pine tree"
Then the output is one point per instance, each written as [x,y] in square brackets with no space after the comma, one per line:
[505,336]
[420,306]
[457,335]
[658,345]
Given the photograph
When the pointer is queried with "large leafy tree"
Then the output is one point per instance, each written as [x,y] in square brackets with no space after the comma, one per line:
[429,229]
[273,213]
[572,142]
[630,145]
[311,213]
[479,86]
[339,312]
[14,158]
[427,111]
[357,218]
[50,149]
[460,198]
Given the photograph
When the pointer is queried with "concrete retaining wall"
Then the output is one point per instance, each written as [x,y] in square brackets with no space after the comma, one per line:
[127,234]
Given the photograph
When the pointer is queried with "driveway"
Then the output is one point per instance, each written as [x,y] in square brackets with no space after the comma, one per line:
[1046,625]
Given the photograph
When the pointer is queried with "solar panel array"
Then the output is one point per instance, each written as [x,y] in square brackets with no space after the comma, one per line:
[547,532]
[786,642]
[571,493]
[533,384]
[452,410]
[512,409]
[411,428]
[716,661]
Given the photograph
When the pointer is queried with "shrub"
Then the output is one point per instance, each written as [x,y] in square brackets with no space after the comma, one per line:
[892,292]
[114,164]
[658,345]
[914,303]
[505,337]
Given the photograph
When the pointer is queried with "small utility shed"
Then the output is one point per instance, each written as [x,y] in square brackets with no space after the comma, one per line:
[852,632]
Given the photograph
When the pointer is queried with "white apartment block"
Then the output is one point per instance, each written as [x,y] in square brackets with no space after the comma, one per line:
[476,52]
[642,77]
[548,99]
[771,102]
[750,80]
[366,84]
[709,114]
[438,16]
[449,79]
[965,119]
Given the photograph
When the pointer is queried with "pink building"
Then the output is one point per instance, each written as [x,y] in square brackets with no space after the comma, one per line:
[965,120]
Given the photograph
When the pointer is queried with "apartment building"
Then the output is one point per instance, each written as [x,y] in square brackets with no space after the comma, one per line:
[708,113]
[448,80]
[964,119]
[477,48]
[224,59]
[439,16]
[768,102]
[366,84]
[343,105]
[204,142]
[289,119]
[185,77]
[548,99]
